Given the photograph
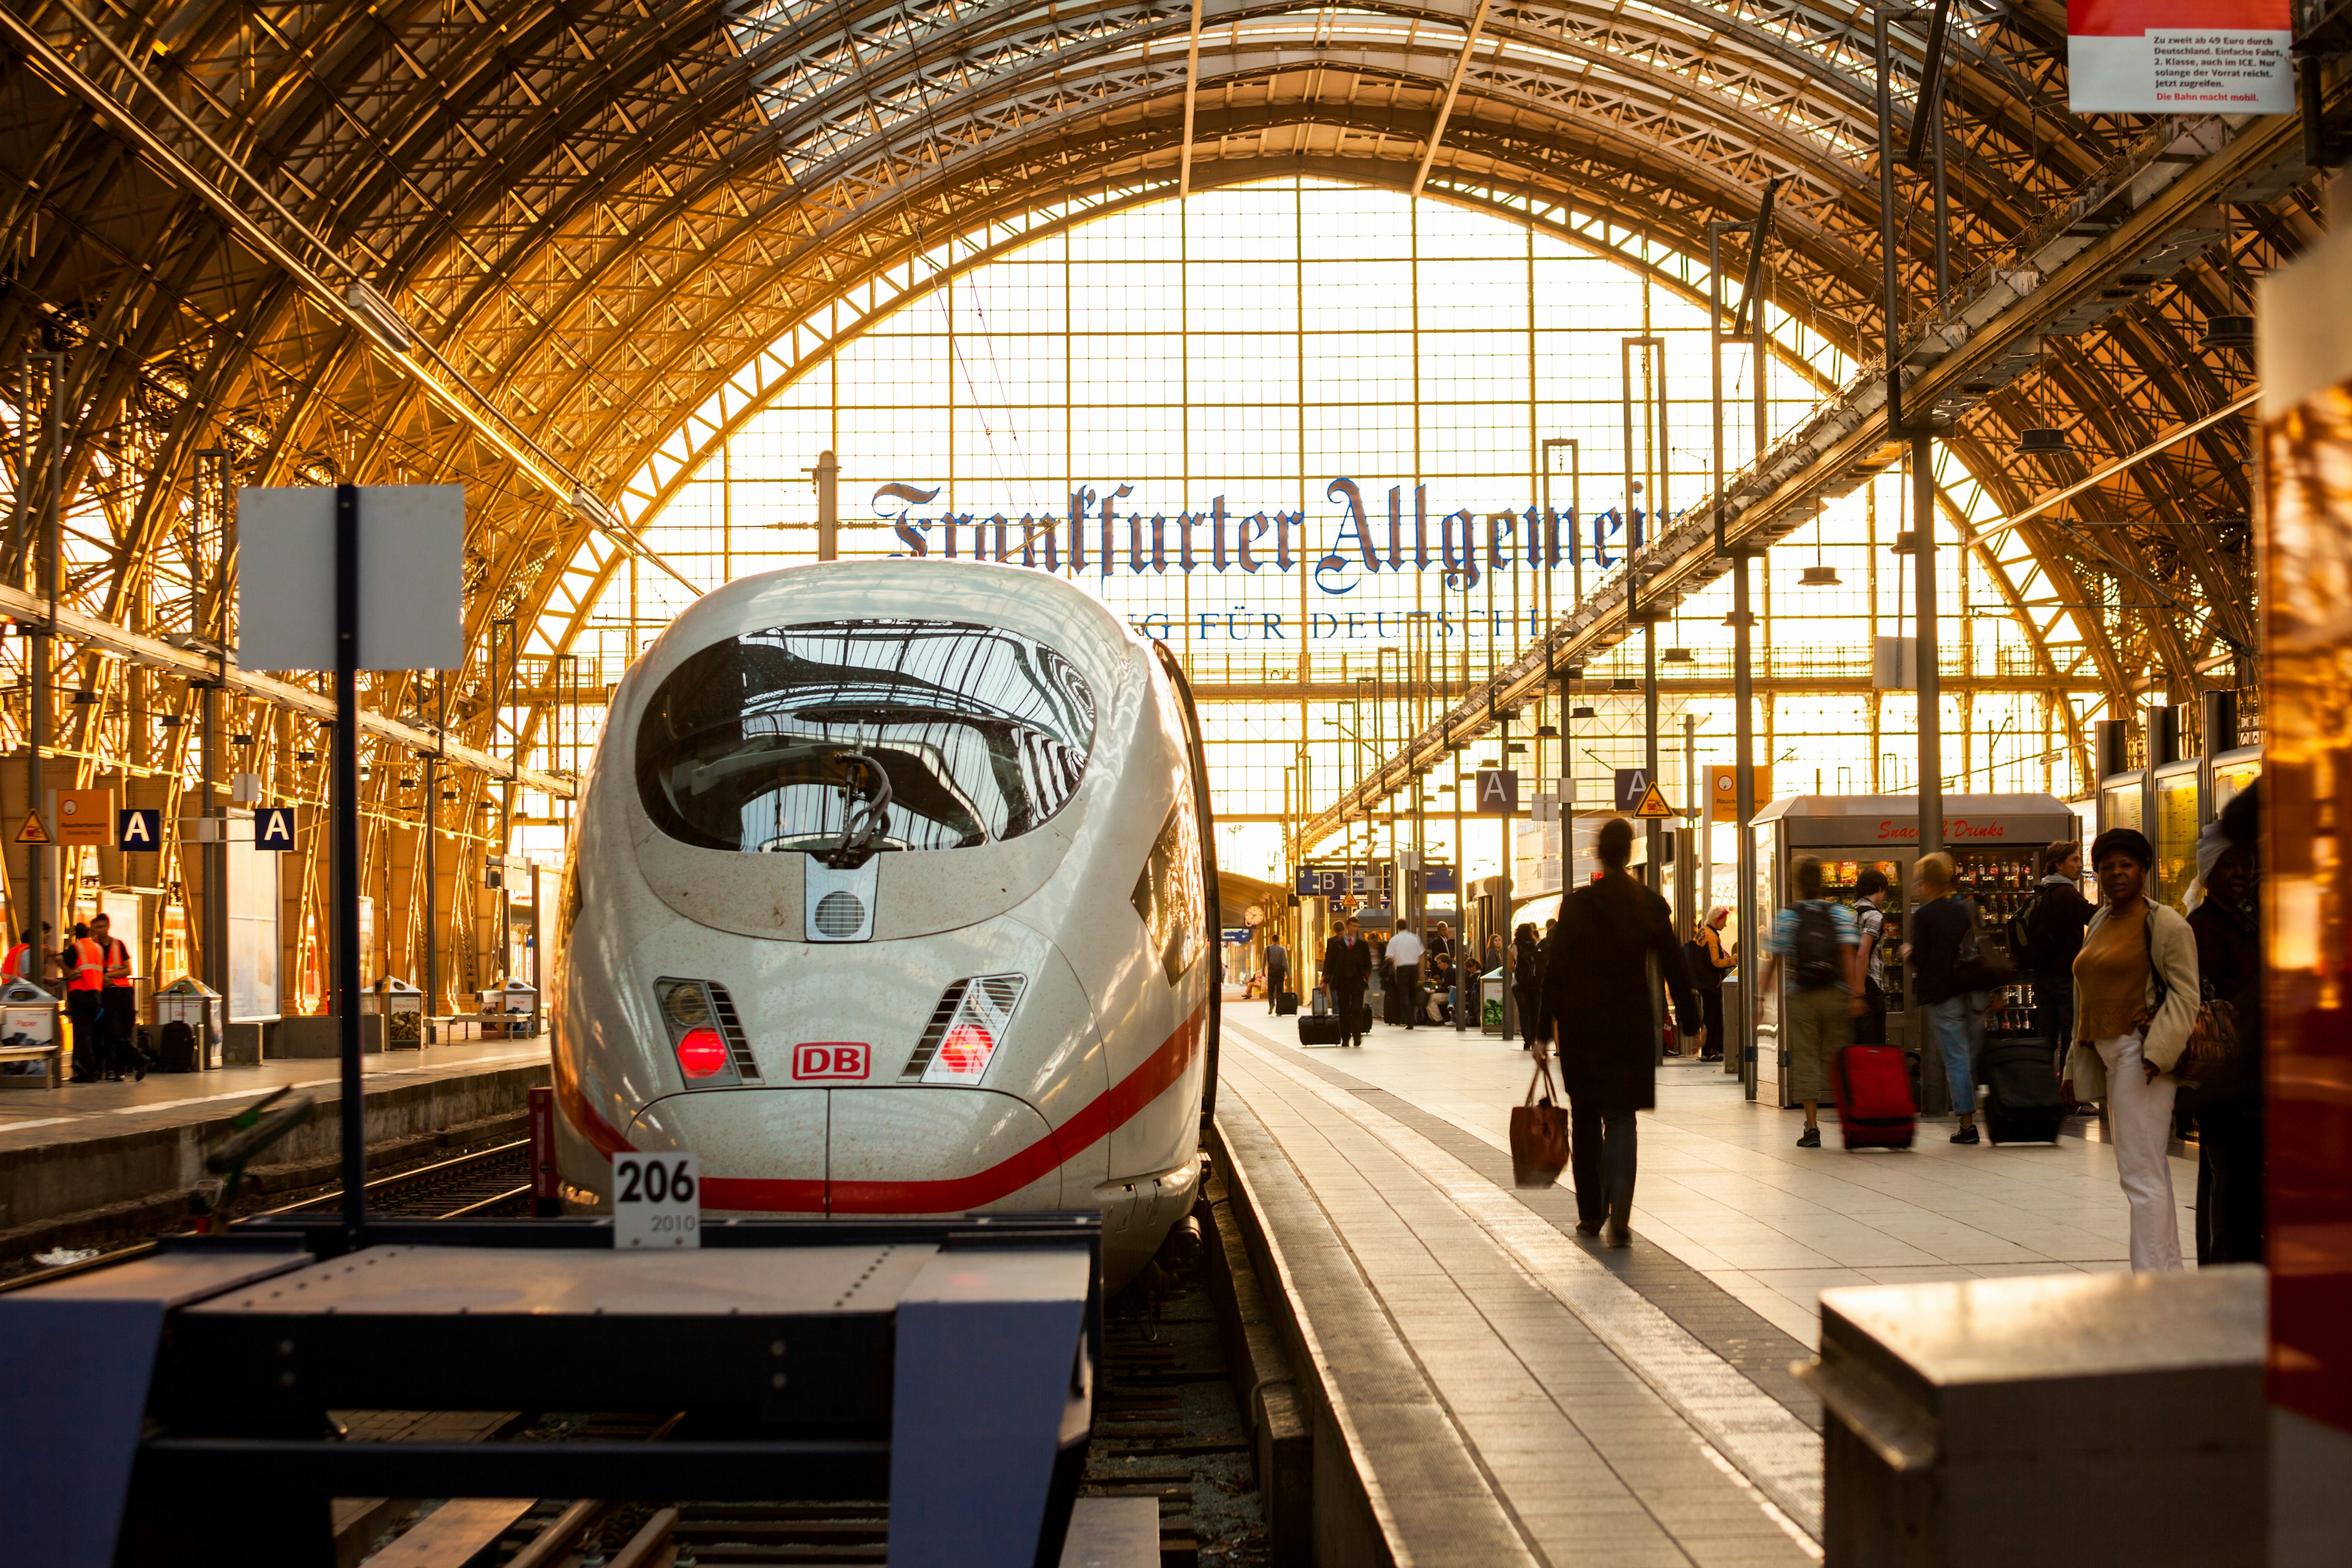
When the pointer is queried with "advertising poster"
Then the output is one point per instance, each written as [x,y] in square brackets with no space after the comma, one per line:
[2179,56]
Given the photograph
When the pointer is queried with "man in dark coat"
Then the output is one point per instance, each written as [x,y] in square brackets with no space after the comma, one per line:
[1612,951]
[1347,965]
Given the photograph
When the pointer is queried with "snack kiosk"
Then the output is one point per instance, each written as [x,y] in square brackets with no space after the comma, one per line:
[1995,842]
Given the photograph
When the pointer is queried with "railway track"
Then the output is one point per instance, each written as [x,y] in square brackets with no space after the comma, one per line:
[489,1183]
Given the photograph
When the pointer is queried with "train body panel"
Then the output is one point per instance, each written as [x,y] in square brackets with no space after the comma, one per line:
[1012,1011]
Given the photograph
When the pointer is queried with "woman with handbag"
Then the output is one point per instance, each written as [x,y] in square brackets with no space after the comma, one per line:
[2135,1000]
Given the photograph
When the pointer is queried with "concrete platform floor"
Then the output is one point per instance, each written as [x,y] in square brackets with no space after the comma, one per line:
[1518,1393]
[1725,1190]
[38,1118]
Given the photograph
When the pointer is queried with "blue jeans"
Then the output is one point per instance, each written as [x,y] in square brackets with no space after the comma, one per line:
[1959,1024]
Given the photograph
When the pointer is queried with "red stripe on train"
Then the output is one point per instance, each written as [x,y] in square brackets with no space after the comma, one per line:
[1098,1120]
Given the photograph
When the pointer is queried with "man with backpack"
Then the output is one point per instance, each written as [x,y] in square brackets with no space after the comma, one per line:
[1816,938]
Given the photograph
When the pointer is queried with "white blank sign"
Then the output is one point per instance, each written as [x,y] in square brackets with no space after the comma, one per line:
[411,577]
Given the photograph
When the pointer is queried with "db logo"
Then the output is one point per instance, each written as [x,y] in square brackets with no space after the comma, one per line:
[830,1059]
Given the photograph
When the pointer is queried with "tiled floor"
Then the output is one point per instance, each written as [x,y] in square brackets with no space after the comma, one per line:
[34,1118]
[1724,1189]
[1516,1394]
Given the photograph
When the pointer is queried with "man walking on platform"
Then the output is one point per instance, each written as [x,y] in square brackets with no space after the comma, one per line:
[1347,965]
[1613,952]
[1818,940]
[1277,973]
[1404,952]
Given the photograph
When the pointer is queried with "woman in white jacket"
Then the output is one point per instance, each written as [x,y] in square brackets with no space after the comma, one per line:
[2135,999]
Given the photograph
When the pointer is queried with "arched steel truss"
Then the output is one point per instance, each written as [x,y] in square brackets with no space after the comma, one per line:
[620,221]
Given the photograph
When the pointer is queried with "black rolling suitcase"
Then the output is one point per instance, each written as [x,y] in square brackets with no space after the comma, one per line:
[1285,1004]
[179,1047]
[2023,1102]
[1320,1029]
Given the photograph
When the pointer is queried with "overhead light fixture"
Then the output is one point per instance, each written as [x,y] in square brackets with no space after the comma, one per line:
[1520,747]
[2229,332]
[242,739]
[1490,762]
[1625,683]
[306,756]
[1547,732]
[2040,441]
[1819,576]
[1581,712]
[1676,656]
[1906,542]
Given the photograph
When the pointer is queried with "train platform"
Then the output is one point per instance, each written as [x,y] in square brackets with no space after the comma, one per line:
[85,1162]
[1512,1393]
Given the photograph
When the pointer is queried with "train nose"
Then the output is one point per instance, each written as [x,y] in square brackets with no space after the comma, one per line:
[939,1151]
[905,1150]
[762,1149]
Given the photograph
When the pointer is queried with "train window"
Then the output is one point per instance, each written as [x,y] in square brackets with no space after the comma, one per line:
[756,743]
[1169,891]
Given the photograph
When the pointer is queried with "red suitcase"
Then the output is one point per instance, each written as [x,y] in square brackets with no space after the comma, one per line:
[1873,1098]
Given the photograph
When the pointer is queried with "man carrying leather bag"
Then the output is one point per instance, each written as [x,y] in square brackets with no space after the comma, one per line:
[1613,952]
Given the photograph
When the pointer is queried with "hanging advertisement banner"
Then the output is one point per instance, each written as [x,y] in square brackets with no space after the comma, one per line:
[2179,56]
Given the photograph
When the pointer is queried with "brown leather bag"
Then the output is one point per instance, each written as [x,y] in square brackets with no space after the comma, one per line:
[1539,1132]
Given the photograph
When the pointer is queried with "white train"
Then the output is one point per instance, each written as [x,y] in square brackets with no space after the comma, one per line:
[891,892]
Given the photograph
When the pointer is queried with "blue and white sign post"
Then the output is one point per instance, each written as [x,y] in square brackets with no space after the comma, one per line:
[315,592]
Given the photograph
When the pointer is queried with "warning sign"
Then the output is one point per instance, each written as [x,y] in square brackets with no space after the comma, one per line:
[1653,805]
[32,832]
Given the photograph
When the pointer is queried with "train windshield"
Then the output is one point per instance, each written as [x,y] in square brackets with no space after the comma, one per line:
[770,740]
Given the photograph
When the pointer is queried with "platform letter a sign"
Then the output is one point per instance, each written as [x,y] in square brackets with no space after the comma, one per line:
[139,829]
[273,828]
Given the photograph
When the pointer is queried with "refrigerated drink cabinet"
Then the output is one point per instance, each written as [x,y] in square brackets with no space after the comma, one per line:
[1995,842]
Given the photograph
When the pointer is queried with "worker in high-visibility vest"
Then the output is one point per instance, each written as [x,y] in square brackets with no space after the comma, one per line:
[85,962]
[119,1014]
[25,961]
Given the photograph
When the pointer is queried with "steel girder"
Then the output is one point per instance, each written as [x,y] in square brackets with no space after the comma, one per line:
[605,213]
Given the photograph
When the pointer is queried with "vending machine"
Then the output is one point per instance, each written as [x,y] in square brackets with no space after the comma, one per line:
[1995,842]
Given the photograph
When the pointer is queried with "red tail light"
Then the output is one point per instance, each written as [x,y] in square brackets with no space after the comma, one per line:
[701,1052]
[964,1053]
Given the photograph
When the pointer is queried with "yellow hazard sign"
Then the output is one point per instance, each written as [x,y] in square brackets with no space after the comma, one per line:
[32,832]
[1653,804]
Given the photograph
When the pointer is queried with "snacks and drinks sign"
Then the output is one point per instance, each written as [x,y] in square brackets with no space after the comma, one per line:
[2193,57]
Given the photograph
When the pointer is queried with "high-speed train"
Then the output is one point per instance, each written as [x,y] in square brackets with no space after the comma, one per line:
[891,892]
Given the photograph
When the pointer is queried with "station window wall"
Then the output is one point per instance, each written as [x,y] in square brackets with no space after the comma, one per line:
[1215,369]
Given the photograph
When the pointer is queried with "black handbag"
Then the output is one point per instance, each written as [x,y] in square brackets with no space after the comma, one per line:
[1979,967]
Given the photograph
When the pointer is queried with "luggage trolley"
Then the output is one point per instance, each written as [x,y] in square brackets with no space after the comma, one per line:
[1995,842]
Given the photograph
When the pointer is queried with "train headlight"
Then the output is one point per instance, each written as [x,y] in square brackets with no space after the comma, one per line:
[705,1034]
[966,1029]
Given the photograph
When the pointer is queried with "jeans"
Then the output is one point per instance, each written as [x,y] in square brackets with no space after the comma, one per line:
[1409,982]
[1958,1025]
[88,1035]
[1277,981]
[1869,1029]
[1602,1152]
[2139,1119]
[2054,1012]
